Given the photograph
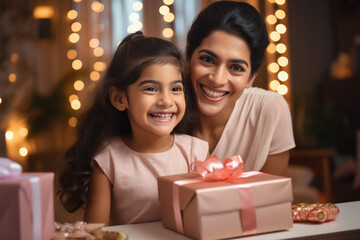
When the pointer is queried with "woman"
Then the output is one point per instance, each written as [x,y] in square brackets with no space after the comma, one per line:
[225,49]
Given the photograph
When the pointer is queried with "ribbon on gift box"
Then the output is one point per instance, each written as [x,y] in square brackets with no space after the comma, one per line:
[10,169]
[212,169]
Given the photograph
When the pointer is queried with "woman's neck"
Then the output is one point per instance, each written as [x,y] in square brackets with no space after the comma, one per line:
[210,128]
[149,144]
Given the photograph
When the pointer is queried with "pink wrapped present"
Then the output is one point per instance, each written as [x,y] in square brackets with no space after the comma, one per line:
[225,202]
[26,205]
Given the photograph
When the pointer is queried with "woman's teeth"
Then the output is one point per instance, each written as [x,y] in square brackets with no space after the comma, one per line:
[211,93]
[161,115]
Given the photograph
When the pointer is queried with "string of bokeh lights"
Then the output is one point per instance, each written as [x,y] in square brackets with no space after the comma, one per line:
[279,64]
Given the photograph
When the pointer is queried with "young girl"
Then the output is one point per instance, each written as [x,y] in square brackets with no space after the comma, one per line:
[126,140]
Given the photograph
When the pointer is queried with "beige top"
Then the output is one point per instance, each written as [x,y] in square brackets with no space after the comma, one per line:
[133,175]
[260,125]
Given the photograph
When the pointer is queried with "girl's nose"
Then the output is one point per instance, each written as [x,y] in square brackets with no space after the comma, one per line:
[165,99]
[219,76]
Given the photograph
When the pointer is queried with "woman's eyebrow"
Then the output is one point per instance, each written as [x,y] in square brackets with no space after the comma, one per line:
[211,53]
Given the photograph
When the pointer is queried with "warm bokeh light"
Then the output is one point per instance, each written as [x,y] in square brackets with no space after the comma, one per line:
[271,48]
[274,67]
[98,52]
[280,14]
[275,36]
[100,66]
[76,104]
[279,2]
[94,42]
[283,76]
[72,121]
[271,19]
[43,12]
[274,84]
[9,135]
[94,75]
[76,26]
[74,37]
[136,26]
[23,151]
[168,2]
[281,48]
[12,77]
[280,28]
[71,54]
[163,10]
[137,6]
[97,7]
[23,132]
[73,97]
[76,64]
[77,1]
[14,57]
[72,14]
[271,1]
[282,89]
[168,32]
[283,61]
[79,85]
[169,17]
[134,17]
[0,100]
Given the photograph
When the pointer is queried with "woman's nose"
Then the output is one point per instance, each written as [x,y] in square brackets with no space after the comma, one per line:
[219,76]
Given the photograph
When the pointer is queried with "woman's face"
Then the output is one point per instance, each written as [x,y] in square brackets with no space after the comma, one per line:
[220,71]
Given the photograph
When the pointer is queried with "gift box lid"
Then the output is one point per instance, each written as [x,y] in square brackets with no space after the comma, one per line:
[267,189]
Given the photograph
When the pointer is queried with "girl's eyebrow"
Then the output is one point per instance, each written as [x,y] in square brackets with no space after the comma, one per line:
[211,53]
[158,82]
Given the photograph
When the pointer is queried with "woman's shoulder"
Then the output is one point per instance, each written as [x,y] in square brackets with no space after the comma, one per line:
[258,97]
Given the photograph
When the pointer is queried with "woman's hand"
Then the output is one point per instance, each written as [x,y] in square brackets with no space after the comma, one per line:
[277,164]
[97,209]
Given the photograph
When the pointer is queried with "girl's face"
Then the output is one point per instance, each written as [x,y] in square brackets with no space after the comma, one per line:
[220,71]
[156,102]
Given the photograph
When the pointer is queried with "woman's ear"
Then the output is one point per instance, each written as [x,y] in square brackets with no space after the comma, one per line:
[251,80]
[118,98]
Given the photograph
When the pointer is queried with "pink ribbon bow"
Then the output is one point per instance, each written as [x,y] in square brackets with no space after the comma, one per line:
[213,169]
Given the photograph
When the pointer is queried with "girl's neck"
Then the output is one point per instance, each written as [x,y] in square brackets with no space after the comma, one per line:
[149,144]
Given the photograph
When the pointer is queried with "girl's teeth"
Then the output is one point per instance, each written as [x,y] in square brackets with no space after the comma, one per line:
[162,116]
[212,94]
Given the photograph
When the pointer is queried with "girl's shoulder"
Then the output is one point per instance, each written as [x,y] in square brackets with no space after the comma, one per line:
[190,143]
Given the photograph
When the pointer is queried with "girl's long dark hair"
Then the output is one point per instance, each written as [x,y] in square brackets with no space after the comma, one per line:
[102,120]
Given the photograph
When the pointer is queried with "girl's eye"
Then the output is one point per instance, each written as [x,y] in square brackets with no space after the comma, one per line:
[237,68]
[177,89]
[150,89]
[207,59]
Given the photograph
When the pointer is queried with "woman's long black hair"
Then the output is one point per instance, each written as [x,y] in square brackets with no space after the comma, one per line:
[102,120]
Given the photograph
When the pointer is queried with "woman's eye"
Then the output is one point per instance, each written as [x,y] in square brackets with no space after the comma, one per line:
[237,68]
[207,59]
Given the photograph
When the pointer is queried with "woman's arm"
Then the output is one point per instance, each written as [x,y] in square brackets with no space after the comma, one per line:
[97,209]
[277,164]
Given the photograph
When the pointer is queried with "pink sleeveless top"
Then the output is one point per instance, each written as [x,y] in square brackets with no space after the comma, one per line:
[133,175]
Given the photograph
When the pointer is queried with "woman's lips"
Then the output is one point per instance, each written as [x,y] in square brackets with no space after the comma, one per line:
[212,94]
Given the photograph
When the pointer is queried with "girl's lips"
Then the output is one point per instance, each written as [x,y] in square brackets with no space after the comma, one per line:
[162,117]
[212,94]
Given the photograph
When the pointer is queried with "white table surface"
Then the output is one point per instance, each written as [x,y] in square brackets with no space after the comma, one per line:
[348,219]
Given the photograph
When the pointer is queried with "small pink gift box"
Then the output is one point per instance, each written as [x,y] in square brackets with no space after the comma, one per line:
[221,209]
[27,206]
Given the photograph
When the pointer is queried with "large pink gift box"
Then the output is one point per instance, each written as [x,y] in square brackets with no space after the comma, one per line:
[221,209]
[27,207]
